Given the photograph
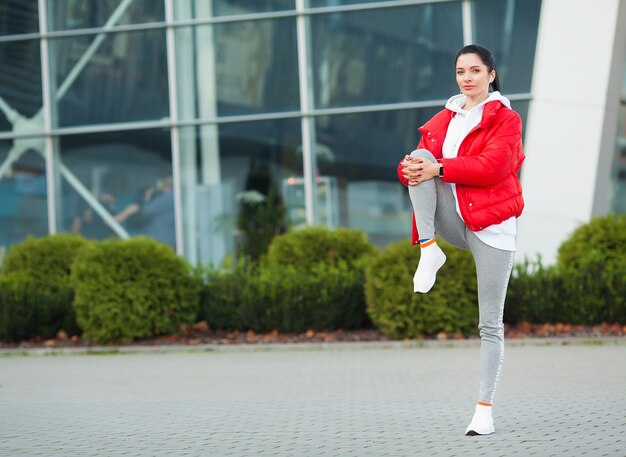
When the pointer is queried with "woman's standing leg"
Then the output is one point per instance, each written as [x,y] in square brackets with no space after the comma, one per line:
[493,267]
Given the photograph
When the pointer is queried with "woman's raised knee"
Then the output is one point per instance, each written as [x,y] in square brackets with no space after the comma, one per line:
[423,154]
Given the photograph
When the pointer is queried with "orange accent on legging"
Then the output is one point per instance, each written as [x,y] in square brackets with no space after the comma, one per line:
[482,403]
[428,243]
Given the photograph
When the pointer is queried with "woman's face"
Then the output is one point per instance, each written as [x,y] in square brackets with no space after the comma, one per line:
[472,75]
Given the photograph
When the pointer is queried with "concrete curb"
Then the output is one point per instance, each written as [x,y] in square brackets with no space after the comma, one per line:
[305,346]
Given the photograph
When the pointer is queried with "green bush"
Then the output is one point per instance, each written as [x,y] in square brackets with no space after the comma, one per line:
[592,267]
[326,297]
[35,283]
[225,291]
[534,294]
[275,297]
[451,306]
[47,260]
[26,311]
[303,248]
[137,288]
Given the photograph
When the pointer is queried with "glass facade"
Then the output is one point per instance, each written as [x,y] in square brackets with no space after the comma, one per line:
[385,55]
[123,80]
[203,123]
[618,172]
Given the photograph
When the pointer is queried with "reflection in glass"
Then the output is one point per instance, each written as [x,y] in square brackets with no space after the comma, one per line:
[20,86]
[19,16]
[23,196]
[126,174]
[124,80]
[509,30]
[72,14]
[199,9]
[242,185]
[386,55]
[358,155]
[618,172]
[326,3]
[237,68]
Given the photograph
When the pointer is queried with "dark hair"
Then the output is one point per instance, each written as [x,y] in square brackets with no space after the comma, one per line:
[486,56]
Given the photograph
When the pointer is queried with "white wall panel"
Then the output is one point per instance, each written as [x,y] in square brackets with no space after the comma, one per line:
[566,121]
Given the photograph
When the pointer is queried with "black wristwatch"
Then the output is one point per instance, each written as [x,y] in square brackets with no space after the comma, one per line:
[441,171]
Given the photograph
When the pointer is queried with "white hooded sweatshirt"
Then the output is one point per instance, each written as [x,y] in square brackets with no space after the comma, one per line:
[500,236]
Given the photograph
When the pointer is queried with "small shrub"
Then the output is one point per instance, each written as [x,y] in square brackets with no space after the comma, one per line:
[47,260]
[306,247]
[137,288]
[36,284]
[225,291]
[26,311]
[451,306]
[327,297]
[247,296]
[592,267]
[534,294]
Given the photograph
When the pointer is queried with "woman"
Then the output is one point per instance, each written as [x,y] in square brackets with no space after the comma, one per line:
[463,186]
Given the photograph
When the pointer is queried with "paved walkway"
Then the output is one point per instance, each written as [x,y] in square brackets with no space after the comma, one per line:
[318,400]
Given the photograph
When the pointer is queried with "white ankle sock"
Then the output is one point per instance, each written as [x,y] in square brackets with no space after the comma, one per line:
[482,422]
[431,260]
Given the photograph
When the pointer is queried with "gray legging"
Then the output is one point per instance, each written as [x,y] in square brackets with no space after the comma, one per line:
[435,212]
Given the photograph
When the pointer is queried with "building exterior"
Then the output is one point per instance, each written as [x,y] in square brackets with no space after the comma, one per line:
[205,123]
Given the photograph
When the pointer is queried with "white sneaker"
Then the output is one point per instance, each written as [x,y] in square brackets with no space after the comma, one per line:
[482,422]
[432,259]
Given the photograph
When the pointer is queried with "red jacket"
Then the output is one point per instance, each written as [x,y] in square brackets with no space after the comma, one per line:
[485,170]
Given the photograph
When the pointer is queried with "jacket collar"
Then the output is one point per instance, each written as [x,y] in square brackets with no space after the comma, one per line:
[442,119]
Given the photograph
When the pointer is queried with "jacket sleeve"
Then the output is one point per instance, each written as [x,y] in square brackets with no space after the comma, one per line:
[501,155]
[402,179]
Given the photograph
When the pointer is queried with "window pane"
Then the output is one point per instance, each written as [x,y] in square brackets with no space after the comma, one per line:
[79,14]
[521,106]
[357,159]
[124,80]
[323,3]
[509,30]
[20,86]
[123,171]
[237,68]
[18,16]
[23,196]
[197,9]
[618,172]
[385,56]
[242,184]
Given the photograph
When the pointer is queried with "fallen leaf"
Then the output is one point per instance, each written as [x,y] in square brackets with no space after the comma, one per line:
[202,326]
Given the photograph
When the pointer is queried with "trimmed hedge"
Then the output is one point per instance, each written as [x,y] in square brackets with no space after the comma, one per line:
[592,266]
[131,289]
[26,311]
[35,290]
[303,248]
[451,306]
[47,260]
[311,278]
[283,298]
[535,294]
[587,285]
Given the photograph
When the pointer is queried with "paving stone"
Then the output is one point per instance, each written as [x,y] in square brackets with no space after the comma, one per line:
[350,400]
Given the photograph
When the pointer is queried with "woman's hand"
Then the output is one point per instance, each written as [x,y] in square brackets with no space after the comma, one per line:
[416,170]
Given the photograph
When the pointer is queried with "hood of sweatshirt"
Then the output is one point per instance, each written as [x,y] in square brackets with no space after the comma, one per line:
[455,102]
